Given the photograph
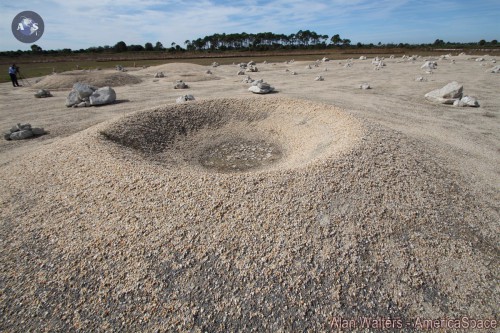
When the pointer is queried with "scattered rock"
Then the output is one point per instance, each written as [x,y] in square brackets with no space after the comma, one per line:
[179,84]
[364,86]
[429,65]
[102,96]
[120,68]
[479,59]
[319,78]
[248,79]
[23,131]
[215,64]
[209,72]
[72,98]
[495,69]
[159,74]
[83,89]
[420,79]
[252,68]
[42,93]
[261,87]
[241,72]
[184,99]
[467,101]
[446,95]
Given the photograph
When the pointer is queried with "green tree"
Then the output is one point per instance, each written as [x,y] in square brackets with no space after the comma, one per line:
[35,48]
[159,47]
[482,42]
[148,46]
[120,47]
[336,39]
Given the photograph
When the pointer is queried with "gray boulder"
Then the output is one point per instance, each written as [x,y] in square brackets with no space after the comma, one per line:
[42,93]
[72,98]
[83,89]
[447,95]
[179,84]
[38,131]
[184,99]
[261,88]
[495,69]
[20,135]
[102,96]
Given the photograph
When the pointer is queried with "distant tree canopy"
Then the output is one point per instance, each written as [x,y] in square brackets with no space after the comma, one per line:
[262,41]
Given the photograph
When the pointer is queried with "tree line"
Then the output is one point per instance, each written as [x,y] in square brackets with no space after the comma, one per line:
[263,41]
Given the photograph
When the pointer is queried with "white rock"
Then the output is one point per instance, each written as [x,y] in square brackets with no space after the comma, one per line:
[467,101]
[364,86]
[159,74]
[325,59]
[429,65]
[261,88]
[479,59]
[446,95]
[362,58]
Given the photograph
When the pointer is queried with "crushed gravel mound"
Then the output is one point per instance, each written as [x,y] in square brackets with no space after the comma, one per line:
[96,78]
[249,133]
[108,237]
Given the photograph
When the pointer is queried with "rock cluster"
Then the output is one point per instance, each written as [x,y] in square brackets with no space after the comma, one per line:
[429,65]
[84,95]
[179,84]
[42,93]
[184,99]
[23,131]
[260,87]
[452,93]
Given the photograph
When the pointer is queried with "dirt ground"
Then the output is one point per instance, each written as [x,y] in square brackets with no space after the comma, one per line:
[402,223]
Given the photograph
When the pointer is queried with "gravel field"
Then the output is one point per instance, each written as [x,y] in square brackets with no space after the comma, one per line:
[236,212]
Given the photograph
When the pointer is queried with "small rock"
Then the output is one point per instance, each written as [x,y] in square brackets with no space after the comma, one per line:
[184,99]
[42,93]
[179,84]
[467,101]
[38,131]
[159,74]
[319,78]
[20,135]
[261,88]
[364,86]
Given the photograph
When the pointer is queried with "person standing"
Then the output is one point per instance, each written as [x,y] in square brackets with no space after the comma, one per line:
[13,70]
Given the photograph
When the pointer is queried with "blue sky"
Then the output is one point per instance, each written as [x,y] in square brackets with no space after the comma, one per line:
[86,23]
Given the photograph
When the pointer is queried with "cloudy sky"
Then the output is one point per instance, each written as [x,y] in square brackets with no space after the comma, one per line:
[85,23]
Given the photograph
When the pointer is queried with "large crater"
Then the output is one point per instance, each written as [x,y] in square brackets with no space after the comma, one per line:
[237,135]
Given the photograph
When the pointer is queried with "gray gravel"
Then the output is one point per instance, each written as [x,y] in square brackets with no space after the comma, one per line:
[120,228]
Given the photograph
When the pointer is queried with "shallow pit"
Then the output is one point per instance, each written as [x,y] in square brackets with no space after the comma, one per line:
[237,135]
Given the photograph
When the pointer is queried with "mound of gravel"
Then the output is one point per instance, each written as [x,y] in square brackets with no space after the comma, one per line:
[124,229]
[97,78]
[237,133]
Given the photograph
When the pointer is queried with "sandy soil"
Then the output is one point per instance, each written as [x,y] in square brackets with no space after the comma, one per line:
[379,203]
